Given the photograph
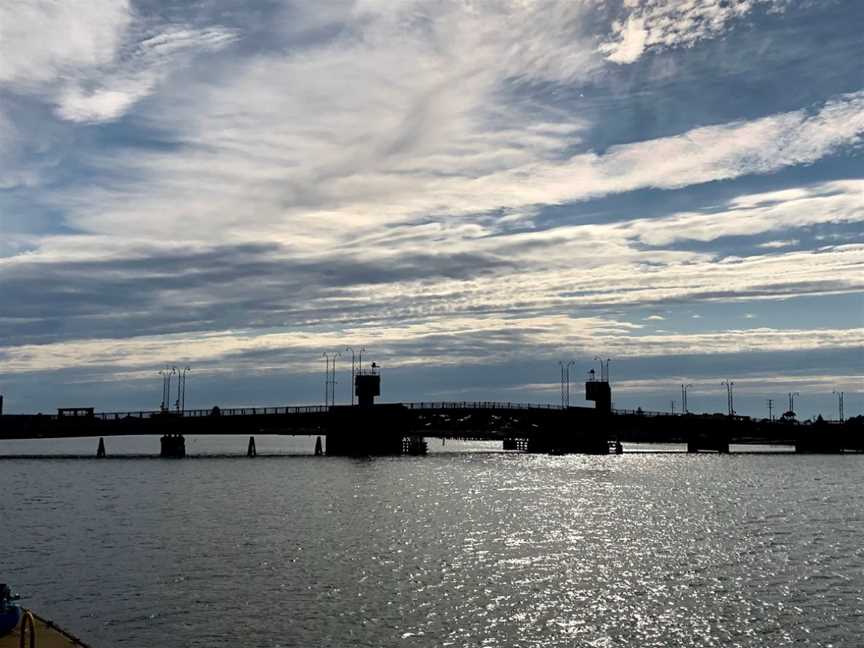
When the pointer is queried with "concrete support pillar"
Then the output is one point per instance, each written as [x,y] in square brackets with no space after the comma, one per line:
[100,451]
[173,446]
[250,451]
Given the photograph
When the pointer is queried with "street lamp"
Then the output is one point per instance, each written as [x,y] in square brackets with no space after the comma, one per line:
[565,381]
[729,402]
[839,403]
[166,374]
[684,389]
[181,389]
[354,368]
[604,368]
[792,396]
[330,377]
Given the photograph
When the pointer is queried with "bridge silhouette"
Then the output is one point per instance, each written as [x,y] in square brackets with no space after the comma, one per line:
[400,428]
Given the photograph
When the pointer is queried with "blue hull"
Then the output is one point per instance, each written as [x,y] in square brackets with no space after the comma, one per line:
[9,620]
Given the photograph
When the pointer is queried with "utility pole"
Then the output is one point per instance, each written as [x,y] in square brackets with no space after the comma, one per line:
[770,409]
[672,404]
[729,402]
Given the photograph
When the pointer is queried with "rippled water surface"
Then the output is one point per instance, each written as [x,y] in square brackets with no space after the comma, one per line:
[458,549]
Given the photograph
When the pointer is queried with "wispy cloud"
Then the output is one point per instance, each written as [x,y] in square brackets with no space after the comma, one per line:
[100,59]
[662,24]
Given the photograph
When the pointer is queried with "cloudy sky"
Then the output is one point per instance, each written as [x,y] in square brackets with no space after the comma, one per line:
[471,189]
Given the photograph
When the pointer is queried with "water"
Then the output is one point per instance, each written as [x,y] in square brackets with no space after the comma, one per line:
[453,549]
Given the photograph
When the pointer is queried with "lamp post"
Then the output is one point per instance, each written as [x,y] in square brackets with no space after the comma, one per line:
[839,395]
[561,365]
[604,368]
[684,389]
[792,396]
[729,402]
[181,389]
[330,377]
[166,374]
[565,381]
[354,368]
[353,359]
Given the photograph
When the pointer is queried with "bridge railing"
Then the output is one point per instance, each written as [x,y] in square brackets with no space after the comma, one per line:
[654,414]
[487,405]
[227,411]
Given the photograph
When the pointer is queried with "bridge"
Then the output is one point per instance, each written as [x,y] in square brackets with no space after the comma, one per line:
[378,429]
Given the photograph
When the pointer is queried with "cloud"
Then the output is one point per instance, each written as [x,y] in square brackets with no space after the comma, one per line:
[830,202]
[663,24]
[44,40]
[450,341]
[94,60]
[773,245]
[253,147]
[631,44]
[388,174]
[108,93]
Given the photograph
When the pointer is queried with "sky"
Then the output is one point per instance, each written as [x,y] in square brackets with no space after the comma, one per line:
[471,190]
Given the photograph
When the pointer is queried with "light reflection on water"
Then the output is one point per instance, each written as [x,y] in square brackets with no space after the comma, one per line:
[461,549]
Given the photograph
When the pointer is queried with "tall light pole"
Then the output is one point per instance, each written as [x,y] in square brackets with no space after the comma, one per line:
[166,374]
[353,360]
[162,376]
[604,368]
[839,403]
[330,377]
[177,401]
[561,365]
[354,368]
[728,384]
[181,388]
[770,409]
[792,396]
[565,381]
[684,389]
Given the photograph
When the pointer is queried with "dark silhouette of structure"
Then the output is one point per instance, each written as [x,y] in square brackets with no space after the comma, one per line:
[172,446]
[367,385]
[369,428]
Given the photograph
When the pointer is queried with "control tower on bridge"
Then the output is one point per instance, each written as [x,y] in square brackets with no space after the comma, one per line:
[367,385]
[598,390]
